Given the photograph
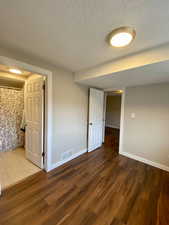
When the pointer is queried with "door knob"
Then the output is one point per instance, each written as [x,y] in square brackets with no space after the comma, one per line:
[90,124]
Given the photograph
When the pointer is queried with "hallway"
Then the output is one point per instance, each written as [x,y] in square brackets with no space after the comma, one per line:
[112,138]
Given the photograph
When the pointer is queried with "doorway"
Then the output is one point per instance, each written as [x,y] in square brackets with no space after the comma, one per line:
[22,124]
[112,115]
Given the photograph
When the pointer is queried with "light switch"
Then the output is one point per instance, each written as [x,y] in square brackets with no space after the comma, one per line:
[133,115]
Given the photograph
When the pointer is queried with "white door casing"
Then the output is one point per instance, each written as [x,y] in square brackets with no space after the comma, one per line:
[48,102]
[104,115]
[34,109]
[95,126]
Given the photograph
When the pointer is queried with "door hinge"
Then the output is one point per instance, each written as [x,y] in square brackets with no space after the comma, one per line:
[43,154]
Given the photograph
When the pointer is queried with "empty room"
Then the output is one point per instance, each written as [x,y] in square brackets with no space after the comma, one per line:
[84,112]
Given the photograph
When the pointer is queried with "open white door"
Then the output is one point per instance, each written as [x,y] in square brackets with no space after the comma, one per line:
[95,127]
[34,100]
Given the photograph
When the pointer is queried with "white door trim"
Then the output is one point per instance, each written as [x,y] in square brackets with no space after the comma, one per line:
[104,115]
[48,104]
[122,121]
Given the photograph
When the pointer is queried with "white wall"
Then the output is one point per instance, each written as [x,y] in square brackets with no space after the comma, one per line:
[147,135]
[70,106]
[113,109]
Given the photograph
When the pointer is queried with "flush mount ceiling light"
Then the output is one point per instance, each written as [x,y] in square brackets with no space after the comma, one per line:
[121,36]
[16,71]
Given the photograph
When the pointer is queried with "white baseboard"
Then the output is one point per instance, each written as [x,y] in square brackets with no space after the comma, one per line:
[55,165]
[146,161]
[112,126]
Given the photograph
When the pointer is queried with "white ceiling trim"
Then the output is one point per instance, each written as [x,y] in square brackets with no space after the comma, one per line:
[151,56]
[148,74]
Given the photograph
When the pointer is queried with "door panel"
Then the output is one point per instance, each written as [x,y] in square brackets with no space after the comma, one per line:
[34,119]
[95,127]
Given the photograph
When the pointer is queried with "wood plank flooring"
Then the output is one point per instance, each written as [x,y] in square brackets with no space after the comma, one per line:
[112,138]
[14,167]
[98,188]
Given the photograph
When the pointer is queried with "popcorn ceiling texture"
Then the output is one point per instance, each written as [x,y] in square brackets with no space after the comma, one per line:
[11,110]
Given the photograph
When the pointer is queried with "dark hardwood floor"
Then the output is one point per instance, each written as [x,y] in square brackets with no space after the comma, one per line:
[112,138]
[98,188]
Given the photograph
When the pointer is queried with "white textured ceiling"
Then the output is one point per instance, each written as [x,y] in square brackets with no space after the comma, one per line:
[71,33]
[149,74]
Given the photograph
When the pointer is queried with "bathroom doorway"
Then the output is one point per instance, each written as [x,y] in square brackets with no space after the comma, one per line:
[22,113]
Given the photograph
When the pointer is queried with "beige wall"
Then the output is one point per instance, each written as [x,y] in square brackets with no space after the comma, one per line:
[69,108]
[113,109]
[69,114]
[147,135]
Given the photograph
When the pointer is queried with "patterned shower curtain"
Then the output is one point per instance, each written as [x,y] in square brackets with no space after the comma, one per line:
[11,110]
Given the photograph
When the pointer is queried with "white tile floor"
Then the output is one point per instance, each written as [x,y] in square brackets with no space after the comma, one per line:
[14,167]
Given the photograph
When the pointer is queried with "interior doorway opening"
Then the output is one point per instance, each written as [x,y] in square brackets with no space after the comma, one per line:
[112,117]
[22,124]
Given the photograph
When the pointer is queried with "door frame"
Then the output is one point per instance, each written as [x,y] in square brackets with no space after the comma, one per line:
[48,103]
[121,117]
